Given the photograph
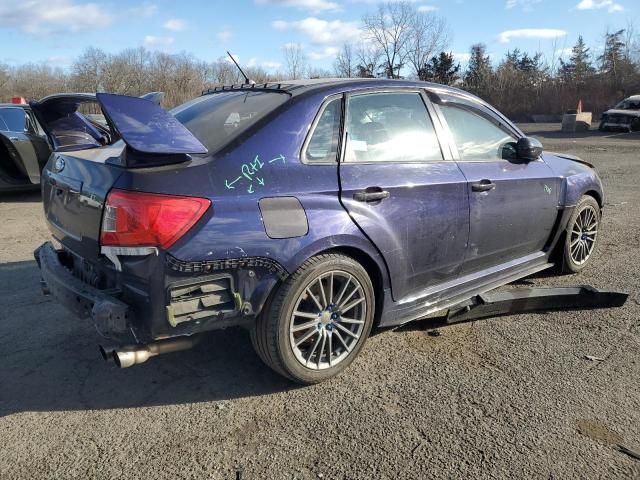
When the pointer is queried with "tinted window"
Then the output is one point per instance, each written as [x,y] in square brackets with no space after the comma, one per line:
[323,144]
[13,119]
[476,137]
[218,118]
[390,127]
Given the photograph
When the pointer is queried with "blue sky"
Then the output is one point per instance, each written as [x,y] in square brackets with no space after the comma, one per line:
[56,31]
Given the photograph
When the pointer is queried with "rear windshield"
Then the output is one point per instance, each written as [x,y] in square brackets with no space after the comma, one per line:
[218,118]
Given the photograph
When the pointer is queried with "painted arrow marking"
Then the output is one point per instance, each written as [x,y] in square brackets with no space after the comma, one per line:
[250,189]
[280,157]
[229,184]
[260,180]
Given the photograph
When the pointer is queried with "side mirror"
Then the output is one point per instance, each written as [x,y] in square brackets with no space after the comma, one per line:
[529,148]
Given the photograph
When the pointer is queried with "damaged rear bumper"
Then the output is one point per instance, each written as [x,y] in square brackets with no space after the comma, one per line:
[156,296]
[109,314]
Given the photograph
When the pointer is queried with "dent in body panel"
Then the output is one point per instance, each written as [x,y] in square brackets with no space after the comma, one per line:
[577,179]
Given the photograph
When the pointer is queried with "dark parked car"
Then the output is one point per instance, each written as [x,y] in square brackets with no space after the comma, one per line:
[624,116]
[308,212]
[23,148]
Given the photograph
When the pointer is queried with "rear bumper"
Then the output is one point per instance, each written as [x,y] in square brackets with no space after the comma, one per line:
[111,316]
[156,296]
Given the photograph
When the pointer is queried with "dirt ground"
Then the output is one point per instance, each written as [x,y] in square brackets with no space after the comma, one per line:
[512,397]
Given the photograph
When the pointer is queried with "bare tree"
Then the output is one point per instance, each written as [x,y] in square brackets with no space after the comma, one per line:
[429,36]
[390,29]
[345,62]
[368,59]
[295,60]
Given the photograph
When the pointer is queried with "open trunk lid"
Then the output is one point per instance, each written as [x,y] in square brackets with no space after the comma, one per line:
[81,172]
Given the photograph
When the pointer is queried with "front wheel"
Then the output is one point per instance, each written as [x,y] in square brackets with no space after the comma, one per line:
[318,320]
[581,235]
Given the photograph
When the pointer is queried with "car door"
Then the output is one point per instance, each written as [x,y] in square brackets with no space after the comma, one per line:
[401,187]
[15,133]
[513,203]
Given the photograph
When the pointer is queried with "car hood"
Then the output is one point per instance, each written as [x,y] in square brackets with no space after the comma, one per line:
[628,113]
[573,158]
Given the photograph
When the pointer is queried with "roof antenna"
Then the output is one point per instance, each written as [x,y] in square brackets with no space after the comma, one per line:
[247,80]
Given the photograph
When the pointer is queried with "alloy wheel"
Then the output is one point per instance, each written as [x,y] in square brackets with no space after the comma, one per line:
[328,320]
[583,235]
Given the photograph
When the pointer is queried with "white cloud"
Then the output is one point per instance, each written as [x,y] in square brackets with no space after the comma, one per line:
[427,8]
[267,65]
[526,5]
[610,5]
[322,32]
[326,52]
[40,17]
[153,42]
[312,5]
[175,24]
[224,36]
[536,33]
[462,57]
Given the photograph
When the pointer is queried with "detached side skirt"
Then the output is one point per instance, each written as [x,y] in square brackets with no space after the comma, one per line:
[523,300]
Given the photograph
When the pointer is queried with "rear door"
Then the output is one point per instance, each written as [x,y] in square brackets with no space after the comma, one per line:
[402,188]
[25,146]
[513,203]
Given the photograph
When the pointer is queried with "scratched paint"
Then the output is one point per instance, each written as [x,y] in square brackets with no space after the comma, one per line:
[250,172]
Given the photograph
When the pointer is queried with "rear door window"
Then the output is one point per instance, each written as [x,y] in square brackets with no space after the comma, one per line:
[13,119]
[390,127]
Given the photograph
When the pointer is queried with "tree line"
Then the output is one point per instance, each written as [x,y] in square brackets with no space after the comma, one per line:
[397,41]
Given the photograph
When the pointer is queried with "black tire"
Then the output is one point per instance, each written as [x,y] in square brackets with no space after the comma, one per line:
[634,126]
[573,260]
[601,127]
[270,335]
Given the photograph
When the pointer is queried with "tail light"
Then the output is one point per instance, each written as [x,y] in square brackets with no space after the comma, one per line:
[148,219]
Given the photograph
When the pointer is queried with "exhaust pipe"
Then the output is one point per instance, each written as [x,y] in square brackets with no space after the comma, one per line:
[130,355]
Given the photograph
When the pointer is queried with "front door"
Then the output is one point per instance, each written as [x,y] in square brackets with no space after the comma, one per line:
[513,203]
[406,195]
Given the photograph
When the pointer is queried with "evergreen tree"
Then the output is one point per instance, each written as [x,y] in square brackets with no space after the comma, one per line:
[614,64]
[579,68]
[441,69]
[479,71]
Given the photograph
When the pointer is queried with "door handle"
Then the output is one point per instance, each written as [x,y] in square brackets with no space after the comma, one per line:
[483,186]
[371,196]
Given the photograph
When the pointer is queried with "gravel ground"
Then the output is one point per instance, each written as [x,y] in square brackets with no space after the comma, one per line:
[512,397]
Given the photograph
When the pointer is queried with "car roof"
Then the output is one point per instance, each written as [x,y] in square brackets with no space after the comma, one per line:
[633,98]
[332,85]
[14,105]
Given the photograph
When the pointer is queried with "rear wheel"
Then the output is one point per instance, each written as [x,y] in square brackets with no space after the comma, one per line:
[581,235]
[318,320]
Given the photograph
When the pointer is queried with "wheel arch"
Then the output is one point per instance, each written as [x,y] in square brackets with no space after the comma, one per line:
[596,195]
[373,270]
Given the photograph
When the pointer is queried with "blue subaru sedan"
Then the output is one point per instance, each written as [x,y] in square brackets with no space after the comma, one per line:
[307,212]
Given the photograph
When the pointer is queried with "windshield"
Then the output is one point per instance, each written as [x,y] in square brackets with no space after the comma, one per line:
[629,104]
[218,118]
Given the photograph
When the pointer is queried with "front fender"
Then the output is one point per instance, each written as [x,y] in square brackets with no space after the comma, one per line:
[578,177]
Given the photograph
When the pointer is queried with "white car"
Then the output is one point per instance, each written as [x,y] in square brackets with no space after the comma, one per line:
[624,116]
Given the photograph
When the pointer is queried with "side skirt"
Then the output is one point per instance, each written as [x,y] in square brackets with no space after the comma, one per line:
[452,293]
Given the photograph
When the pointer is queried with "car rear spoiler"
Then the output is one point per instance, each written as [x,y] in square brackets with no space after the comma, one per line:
[146,128]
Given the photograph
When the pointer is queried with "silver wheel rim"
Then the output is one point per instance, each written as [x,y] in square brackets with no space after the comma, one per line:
[583,235]
[328,320]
